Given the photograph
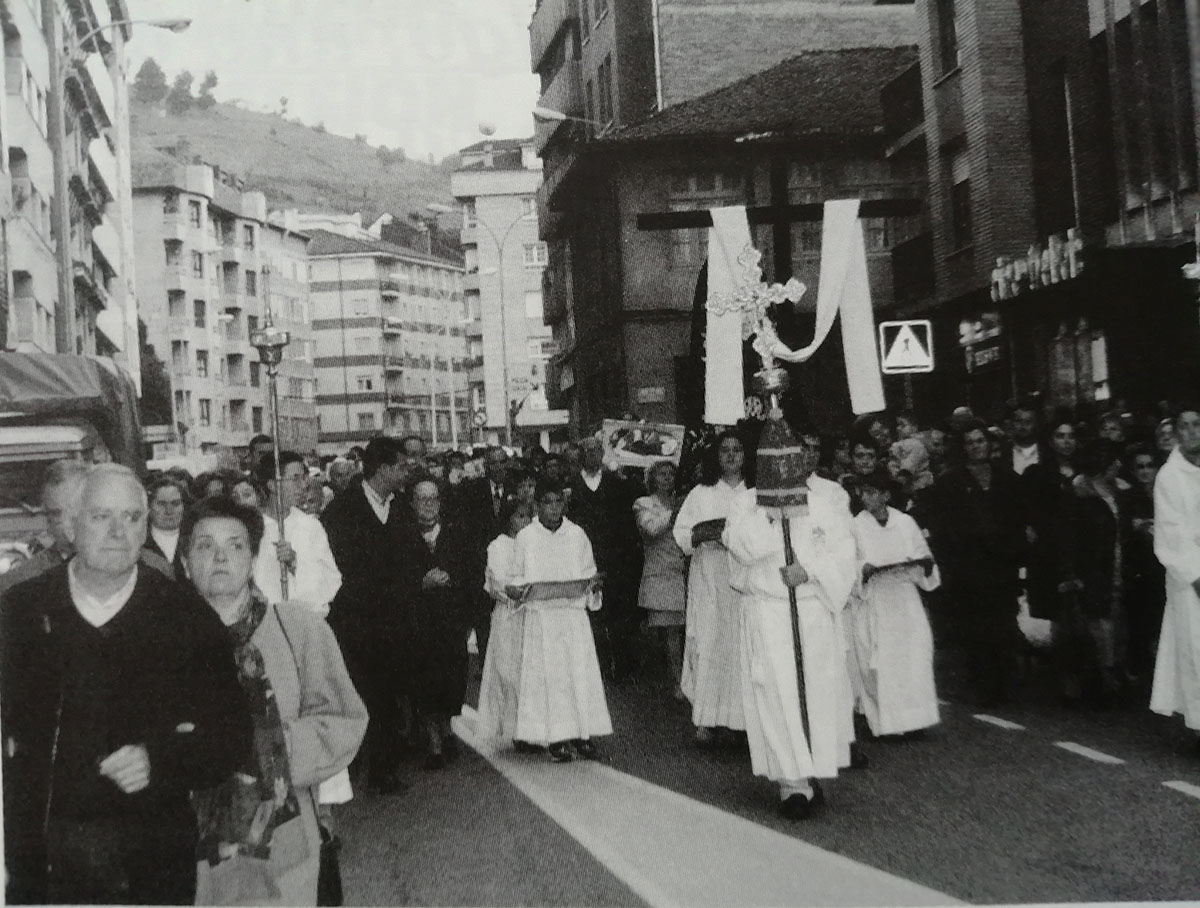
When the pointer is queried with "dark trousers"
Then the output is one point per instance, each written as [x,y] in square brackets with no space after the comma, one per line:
[378,669]
[989,634]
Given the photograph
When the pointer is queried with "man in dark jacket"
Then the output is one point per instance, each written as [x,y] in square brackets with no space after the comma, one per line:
[368,613]
[601,502]
[119,696]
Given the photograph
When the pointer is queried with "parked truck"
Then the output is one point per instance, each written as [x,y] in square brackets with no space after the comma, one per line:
[55,406]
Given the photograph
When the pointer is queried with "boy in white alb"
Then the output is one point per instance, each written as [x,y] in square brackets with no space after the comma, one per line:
[560,702]
[892,644]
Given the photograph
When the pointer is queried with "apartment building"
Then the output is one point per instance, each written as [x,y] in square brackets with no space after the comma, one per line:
[1060,140]
[69,250]
[210,266]
[508,341]
[390,341]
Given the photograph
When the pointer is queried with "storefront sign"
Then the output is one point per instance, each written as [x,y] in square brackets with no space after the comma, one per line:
[981,338]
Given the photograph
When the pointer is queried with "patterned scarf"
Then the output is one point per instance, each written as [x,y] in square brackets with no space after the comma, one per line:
[239,815]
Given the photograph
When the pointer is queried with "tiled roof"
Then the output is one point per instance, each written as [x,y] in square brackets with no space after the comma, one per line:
[501,160]
[497,145]
[828,93]
[326,242]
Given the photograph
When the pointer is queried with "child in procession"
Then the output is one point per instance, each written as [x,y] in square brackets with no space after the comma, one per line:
[560,701]
[892,644]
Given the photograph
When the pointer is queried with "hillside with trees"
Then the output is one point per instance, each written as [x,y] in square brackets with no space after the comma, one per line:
[293,164]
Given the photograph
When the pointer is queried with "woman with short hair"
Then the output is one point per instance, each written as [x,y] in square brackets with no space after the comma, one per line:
[259,837]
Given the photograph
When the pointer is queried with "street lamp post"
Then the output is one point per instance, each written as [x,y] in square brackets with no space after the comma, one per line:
[64,316]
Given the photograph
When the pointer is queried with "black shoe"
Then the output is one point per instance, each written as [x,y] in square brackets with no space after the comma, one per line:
[858,759]
[524,747]
[450,747]
[796,807]
[818,795]
[560,752]
[584,748]
[390,784]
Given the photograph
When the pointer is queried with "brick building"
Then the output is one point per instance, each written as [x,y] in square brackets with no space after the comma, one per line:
[1035,119]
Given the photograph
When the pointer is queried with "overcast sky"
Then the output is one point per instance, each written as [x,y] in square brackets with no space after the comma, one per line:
[420,74]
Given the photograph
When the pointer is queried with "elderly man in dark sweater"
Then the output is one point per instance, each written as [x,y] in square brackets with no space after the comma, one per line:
[119,696]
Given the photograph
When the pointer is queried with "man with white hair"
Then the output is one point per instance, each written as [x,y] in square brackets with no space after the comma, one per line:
[119,695]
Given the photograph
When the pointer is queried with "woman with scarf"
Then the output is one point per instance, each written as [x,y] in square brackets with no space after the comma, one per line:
[259,838]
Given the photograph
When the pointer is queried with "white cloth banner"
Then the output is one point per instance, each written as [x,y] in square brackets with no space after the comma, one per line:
[844,288]
[724,398]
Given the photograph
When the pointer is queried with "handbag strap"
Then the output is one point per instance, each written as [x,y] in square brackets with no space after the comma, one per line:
[312,792]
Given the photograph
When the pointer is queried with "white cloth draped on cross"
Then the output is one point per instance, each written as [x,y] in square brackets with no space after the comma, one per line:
[738,301]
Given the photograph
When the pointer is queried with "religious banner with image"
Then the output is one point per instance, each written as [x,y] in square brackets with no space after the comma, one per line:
[640,444]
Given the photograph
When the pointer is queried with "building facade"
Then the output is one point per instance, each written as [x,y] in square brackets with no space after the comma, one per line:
[618,298]
[390,341]
[1061,148]
[210,266]
[70,264]
[508,341]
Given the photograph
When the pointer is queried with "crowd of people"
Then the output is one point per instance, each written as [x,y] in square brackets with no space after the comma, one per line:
[270,641]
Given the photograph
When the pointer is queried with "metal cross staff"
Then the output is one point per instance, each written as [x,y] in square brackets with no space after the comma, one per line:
[270,342]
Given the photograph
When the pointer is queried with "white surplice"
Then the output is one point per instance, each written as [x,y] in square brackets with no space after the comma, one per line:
[1177,545]
[561,694]
[501,682]
[824,546]
[711,662]
[892,642]
[317,578]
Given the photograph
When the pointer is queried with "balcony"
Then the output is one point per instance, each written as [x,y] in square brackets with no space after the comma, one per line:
[470,281]
[389,289]
[86,99]
[549,19]
[175,277]
[948,102]
[562,94]
[91,203]
[474,328]
[393,363]
[91,285]
[232,251]
[392,326]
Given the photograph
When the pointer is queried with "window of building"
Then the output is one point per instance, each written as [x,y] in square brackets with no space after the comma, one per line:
[366,421]
[533,304]
[256,419]
[528,206]
[960,200]
[469,213]
[693,191]
[256,375]
[170,203]
[605,86]
[362,344]
[205,411]
[202,363]
[365,383]
[947,35]
[359,305]
[194,212]
[197,264]
[199,314]
[251,283]
[248,236]
[535,255]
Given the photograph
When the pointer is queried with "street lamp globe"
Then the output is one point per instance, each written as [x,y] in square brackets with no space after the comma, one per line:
[488,128]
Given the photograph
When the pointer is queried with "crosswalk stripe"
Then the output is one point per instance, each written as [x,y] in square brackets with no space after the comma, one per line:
[998,722]
[1186,787]
[1082,751]
[673,850]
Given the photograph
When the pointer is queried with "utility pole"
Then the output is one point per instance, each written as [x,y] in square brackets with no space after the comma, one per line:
[60,217]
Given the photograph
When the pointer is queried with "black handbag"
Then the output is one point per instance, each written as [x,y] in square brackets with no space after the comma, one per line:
[329,876]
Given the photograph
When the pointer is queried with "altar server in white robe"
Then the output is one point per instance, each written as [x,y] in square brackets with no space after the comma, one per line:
[891,639]
[822,576]
[561,702]
[711,677]
[1177,545]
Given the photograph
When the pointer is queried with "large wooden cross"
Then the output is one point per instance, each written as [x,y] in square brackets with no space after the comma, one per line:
[780,214]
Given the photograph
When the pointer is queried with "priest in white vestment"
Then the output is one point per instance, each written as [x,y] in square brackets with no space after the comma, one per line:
[1177,545]
[891,638]
[561,701]
[823,574]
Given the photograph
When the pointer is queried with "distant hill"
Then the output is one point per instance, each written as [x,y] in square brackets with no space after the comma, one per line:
[295,166]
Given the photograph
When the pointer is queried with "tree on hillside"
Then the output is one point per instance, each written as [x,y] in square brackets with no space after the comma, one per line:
[389,156]
[205,99]
[283,107]
[150,83]
[179,98]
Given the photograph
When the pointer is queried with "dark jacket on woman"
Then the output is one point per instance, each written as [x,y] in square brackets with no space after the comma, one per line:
[1050,508]
[159,673]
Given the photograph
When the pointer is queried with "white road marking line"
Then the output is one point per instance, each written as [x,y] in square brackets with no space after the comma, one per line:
[1096,755]
[1186,787]
[673,850]
[998,722]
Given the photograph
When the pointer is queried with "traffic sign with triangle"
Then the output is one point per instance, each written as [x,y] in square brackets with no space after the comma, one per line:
[907,347]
